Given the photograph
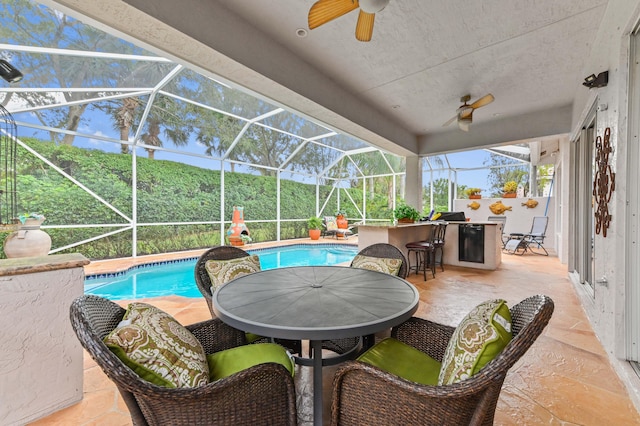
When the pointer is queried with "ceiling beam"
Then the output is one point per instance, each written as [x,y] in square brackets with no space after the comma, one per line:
[553,121]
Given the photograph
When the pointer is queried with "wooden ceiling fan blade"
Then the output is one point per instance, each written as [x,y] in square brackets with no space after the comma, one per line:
[324,11]
[364,28]
[486,99]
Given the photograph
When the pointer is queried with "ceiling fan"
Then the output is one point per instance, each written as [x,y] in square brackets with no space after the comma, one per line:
[324,11]
[464,114]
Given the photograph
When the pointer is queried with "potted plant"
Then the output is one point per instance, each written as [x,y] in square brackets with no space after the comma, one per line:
[405,213]
[341,219]
[315,224]
[510,189]
[473,193]
[31,219]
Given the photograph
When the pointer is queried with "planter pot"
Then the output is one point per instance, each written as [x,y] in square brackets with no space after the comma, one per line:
[405,220]
[509,195]
[28,241]
[314,234]
[475,196]
[236,241]
[342,222]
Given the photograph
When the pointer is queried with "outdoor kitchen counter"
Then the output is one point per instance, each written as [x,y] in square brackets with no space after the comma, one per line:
[399,235]
[42,359]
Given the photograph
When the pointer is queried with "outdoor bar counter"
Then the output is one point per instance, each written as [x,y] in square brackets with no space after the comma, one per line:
[480,246]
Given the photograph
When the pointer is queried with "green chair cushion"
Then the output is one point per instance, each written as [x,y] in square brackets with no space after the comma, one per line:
[380,264]
[482,334]
[222,271]
[158,349]
[230,361]
[405,361]
[252,337]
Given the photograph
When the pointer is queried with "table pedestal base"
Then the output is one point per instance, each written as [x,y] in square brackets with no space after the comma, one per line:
[317,362]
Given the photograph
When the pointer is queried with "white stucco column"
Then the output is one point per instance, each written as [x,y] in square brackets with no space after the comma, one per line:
[413,182]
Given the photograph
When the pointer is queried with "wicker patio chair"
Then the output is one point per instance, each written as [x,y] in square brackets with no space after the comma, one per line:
[261,394]
[382,250]
[364,394]
[389,251]
[203,281]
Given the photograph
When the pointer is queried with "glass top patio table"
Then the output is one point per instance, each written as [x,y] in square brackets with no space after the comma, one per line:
[315,303]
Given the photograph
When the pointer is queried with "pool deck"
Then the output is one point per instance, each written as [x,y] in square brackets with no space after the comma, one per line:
[566,377]
[118,265]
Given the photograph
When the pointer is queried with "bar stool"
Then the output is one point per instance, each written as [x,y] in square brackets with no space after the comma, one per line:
[424,252]
[438,245]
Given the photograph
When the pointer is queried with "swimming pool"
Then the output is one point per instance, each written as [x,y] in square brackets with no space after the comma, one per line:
[176,277]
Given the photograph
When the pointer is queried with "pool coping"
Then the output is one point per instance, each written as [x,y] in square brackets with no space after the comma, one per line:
[152,263]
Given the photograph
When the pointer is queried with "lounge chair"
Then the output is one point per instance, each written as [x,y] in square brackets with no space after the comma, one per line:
[532,242]
[330,228]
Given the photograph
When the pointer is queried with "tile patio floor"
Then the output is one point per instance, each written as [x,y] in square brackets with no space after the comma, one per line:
[564,379]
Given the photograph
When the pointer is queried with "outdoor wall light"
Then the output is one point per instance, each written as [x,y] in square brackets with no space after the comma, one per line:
[597,81]
[9,72]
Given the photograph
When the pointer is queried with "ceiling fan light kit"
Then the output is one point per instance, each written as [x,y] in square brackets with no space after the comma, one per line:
[464,113]
[373,6]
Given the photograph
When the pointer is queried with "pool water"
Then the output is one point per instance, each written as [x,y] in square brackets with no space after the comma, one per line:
[177,277]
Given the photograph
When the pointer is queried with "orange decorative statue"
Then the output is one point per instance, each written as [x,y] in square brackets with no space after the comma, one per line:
[238,233]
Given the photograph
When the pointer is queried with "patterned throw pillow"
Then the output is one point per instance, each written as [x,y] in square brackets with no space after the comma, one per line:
[223,271]
[479,338]
[158,349]
[331,223]
[380,264]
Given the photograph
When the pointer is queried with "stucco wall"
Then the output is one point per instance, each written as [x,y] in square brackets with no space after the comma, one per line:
[605,306]
[519,218]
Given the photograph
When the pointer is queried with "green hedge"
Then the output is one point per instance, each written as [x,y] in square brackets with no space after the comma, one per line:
[167,192]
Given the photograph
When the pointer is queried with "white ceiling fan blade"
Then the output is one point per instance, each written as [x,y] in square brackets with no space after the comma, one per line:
[451,120]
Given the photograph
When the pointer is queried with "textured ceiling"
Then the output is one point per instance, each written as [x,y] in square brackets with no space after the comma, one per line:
[404,84]
[425,55]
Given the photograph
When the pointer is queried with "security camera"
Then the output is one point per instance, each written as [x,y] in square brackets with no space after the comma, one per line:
[9,72]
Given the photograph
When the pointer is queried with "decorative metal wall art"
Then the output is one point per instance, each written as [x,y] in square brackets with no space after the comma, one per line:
[604,183]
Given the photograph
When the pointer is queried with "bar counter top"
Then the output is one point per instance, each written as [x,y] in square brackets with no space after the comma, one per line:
[401,234]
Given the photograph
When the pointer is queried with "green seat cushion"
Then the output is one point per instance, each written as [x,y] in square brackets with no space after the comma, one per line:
[158,348]
[482,334]
[380,264]
[251,337]
[222,271]
[405,361]
[230,361]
